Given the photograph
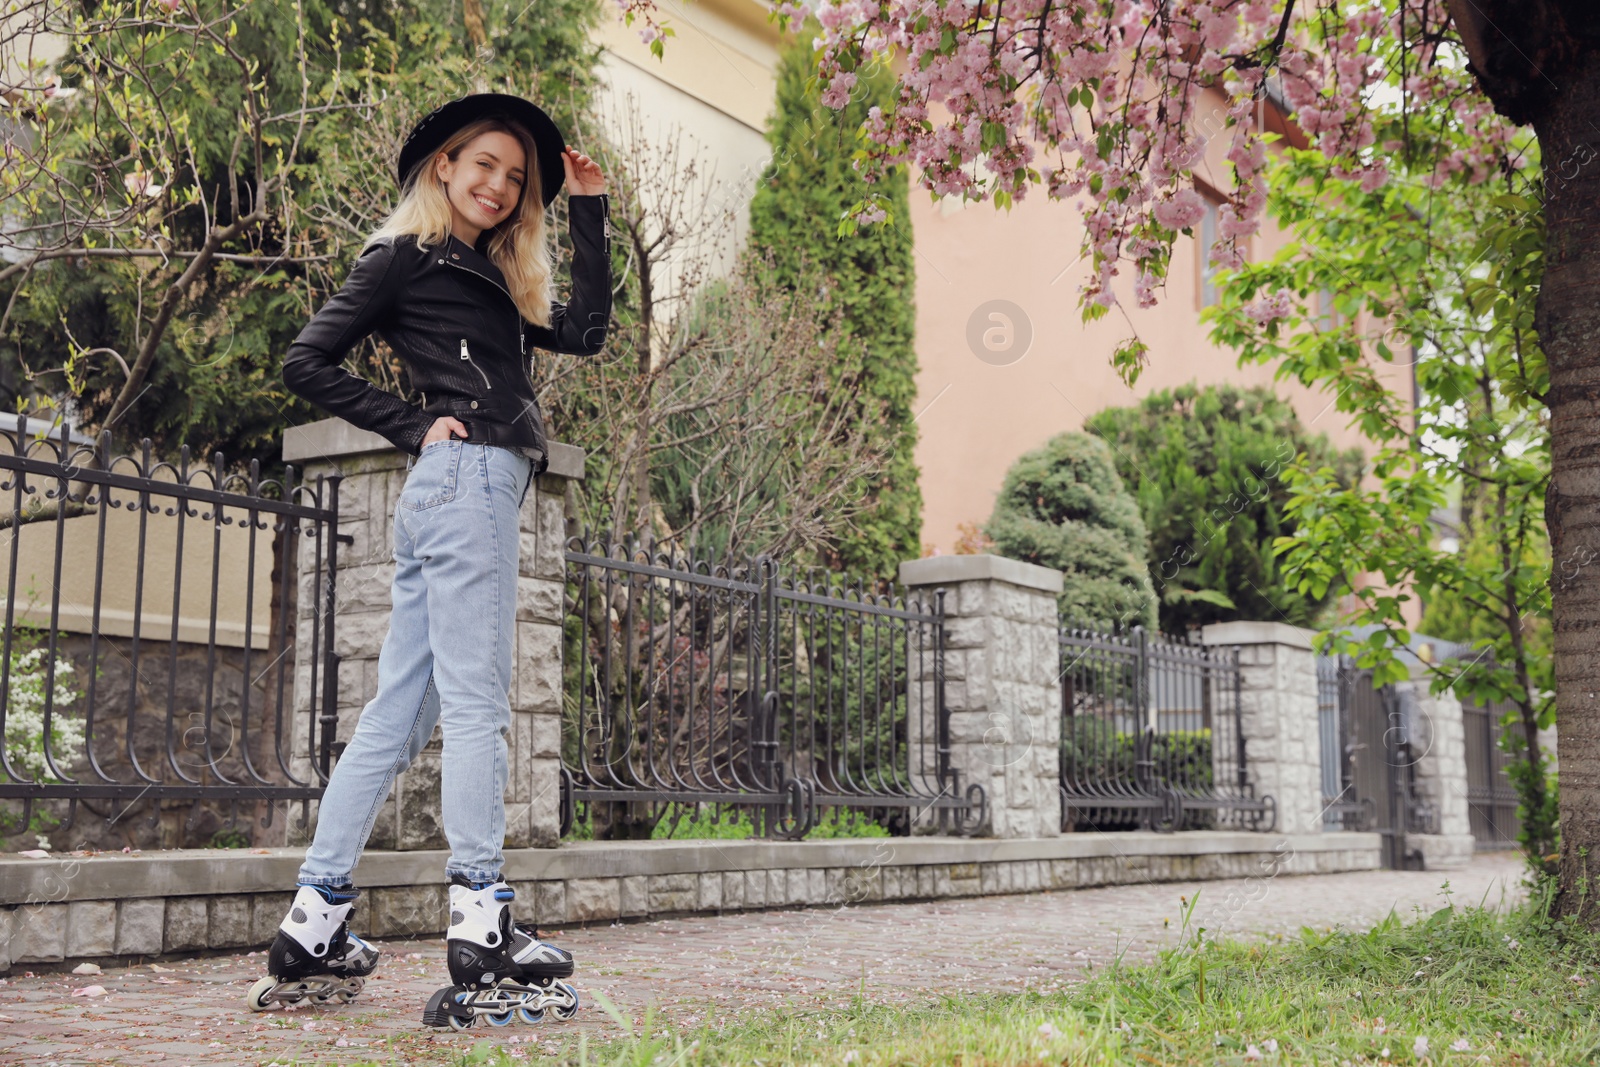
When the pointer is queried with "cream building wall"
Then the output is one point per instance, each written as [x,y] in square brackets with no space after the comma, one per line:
[713,90]
[132,554]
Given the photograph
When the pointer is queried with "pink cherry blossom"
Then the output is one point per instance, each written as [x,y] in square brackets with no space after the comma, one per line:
[1114,102]
[1181,210]
[1278,305]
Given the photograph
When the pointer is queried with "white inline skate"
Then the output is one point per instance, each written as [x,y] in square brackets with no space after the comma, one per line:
[315,955]
[501,970]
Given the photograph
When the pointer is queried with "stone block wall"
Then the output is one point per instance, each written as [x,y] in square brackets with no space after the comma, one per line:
[1002,684]
[1278,703]
[124,908]
[1439,745]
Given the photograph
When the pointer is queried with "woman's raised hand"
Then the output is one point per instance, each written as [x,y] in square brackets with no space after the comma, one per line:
[583,174]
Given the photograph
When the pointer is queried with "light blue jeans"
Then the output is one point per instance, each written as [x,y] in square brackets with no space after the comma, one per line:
[446,659]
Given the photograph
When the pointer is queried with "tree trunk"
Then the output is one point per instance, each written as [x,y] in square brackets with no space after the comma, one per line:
[1568,321]
[1540,64]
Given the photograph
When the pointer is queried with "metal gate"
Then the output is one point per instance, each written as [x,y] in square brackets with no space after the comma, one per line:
[1368,762]
[738,685]
[1491,798]
[1152,736]
[123,601]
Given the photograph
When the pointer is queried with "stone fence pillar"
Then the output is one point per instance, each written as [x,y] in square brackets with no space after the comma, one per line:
[1278,704]
[1002,683]
[374,473]
[1436,731]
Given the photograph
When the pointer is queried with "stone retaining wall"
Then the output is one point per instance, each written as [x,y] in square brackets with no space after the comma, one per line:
[1003,684]
[1439,738]
[121,907]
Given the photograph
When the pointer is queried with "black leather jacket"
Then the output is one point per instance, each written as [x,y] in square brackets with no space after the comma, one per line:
[447,313]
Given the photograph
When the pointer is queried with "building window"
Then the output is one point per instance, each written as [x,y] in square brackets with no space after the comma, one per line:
[1328,317]
[1208,237]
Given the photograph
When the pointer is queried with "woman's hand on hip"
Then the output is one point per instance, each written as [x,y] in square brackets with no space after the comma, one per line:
[443,429]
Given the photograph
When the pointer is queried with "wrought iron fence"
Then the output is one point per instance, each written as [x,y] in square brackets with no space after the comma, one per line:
[1369,760]
[1342,807]
[1491,798]
[1151,735]
[736,685]
[150,631]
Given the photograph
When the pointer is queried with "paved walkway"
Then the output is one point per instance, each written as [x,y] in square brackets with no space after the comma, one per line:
[192,1011]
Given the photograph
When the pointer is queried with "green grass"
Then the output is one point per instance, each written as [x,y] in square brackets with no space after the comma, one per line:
[1481,987]
[697,823]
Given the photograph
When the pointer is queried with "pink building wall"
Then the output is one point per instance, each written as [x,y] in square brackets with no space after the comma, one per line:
[976,415]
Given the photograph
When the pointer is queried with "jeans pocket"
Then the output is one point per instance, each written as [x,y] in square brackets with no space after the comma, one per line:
[432,480]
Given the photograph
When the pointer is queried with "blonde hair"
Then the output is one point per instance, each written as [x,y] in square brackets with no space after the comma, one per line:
[520,246]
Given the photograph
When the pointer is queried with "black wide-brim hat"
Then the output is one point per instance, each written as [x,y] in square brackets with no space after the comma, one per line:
[434,129]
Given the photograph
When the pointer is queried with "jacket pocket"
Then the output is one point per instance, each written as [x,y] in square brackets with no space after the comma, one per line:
[466,357]
[432,480]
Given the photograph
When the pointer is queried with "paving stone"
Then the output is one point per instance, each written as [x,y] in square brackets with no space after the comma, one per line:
[696,966]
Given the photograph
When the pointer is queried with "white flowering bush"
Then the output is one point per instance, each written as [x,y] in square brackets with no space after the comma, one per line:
[25,733]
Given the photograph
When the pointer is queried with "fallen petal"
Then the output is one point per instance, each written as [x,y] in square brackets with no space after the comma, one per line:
[86,968]
[90,991]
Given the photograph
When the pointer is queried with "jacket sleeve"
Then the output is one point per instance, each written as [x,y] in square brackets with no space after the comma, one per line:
[579,327]
[313,366]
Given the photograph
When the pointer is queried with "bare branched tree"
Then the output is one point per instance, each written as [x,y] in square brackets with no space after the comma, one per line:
[116,166]
[709,417]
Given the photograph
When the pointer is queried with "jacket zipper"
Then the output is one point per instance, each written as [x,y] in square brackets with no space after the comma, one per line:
[522,338]
[467,358]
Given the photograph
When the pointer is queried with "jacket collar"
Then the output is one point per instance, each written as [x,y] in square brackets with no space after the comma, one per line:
[465,255]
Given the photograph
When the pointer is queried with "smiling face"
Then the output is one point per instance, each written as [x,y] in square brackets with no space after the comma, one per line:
[483,183]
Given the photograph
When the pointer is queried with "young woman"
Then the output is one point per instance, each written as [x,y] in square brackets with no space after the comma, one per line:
[457,281]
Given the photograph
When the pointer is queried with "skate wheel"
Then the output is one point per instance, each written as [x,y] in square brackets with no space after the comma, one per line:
[256,998]
[531,1015]
[500,1019]
[462,1024]
[568,1007]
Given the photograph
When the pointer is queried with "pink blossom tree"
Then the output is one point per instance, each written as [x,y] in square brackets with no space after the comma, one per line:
[1111,104]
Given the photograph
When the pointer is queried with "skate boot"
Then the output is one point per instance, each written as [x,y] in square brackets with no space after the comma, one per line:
[500,969]
[315,955]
